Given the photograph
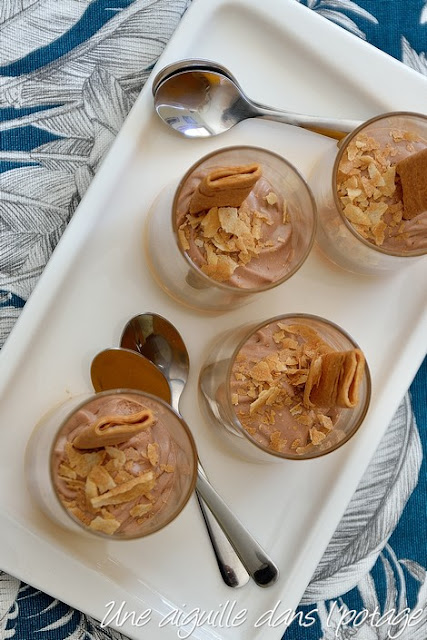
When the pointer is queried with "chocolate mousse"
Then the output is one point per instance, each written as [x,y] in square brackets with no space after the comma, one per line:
[114,464]
[289,387]
[234,226]
[381,184]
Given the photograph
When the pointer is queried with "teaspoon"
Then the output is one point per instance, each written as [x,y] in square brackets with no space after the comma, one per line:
[156,338]
[200,98]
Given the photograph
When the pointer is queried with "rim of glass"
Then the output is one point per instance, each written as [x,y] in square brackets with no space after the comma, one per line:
[189,435]
[236,421]
[222,285]
[338,205]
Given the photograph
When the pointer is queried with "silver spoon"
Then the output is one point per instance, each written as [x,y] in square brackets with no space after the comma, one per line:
[157,339]
[201,98]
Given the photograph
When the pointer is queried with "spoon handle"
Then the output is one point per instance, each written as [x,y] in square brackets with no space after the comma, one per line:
[257,563]
[332,127]
[232,570]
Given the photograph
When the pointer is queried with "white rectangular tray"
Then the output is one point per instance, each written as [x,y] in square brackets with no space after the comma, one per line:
[285,55]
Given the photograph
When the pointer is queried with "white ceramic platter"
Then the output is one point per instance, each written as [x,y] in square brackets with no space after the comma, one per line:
[285,55]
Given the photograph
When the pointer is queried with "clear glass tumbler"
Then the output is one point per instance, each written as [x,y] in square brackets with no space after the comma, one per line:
[286,249]
[259,443]
[118,491]
[346,176]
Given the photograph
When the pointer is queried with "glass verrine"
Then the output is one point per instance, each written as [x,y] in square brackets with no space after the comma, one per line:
[90,484]
[358,189]
[252,389]
[255,246]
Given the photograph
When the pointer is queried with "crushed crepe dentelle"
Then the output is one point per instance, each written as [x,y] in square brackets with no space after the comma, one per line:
[301,383]
[125,492]
[153,453]
[369,186]
[228,233]
[104,525]
[140,510]
[285,217]
[277,442]
[167,468]
[112,476]
[67,472]
[271,198]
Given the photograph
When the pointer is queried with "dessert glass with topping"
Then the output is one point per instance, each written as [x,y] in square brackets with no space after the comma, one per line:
[295,387]
[372,196]
[120,464]
[241,221]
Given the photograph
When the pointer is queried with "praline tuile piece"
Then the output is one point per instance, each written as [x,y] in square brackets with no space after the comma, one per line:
[334,379]
[113,429]
[225,187]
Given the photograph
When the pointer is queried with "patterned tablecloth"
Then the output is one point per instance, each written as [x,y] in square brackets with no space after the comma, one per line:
[60,61]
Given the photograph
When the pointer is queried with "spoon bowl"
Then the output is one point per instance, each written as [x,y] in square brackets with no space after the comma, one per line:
[200,98]
[189,64]
[125,369]
[158,340]
[198,103]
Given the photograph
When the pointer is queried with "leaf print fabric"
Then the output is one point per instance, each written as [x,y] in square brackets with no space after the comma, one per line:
[340,12]
[374,511]
[70,71]
[24,29]
[412,59]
